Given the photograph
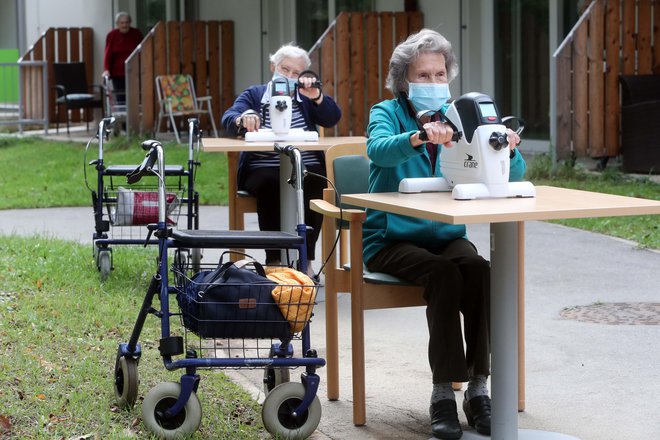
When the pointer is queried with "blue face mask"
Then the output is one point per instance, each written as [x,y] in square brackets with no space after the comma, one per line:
[428,96]
[292,81]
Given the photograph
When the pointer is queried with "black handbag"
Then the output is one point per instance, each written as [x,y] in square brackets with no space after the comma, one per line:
[232,302]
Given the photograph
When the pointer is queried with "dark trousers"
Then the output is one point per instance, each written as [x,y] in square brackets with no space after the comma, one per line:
[119,89]
[264,184]
[456,280]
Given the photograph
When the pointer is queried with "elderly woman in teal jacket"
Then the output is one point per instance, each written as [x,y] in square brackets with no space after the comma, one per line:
[438,256]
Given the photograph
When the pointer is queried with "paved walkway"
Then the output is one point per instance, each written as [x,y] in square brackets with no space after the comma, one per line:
[595,379]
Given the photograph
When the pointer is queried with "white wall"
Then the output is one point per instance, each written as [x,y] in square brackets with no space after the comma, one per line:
[97,14]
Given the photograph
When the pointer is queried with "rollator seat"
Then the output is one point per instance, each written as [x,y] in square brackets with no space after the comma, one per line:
[236,239]
[123,170]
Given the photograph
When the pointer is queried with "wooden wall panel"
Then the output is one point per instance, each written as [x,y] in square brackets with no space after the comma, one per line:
[596,82]
[579,90]
[358,110]
[343,73]
[612,113]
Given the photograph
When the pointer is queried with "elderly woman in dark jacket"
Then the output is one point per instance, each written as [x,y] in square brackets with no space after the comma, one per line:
[258,173]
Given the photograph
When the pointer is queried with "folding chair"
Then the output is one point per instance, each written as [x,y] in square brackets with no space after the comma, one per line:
[74,93]
[177,98]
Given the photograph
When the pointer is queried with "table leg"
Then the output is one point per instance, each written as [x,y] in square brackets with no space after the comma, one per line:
[504,339]
[504,335]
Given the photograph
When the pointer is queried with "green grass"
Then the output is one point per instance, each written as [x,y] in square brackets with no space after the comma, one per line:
[643,229]
[59,330]
[37,173]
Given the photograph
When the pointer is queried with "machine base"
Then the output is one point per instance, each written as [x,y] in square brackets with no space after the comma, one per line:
[294,135]
[469,191]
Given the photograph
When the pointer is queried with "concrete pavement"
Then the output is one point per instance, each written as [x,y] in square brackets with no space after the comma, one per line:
[592,374]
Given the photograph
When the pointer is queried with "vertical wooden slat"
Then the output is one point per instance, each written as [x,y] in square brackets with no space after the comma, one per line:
[328,63]
[88,58]
[656,36]
[357,75]
[214,69]
[415,22]
[49,56]
[612,107]
[74,43]
[386,48]
[228,76]
[173,46]
[564,120]
[343,71]
[160,52]
[201,73]
[400,27]
[579,91]
[133,94]
[596,82]
[373,75]
[187,48]
[644,50]
[628,38]
[147,83]
[62,53]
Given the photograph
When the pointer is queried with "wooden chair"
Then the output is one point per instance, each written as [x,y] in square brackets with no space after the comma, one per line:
[347,167]
[177,98]
[73,92]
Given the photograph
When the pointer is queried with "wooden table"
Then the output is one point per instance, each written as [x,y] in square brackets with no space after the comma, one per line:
[503,215]
[234,146]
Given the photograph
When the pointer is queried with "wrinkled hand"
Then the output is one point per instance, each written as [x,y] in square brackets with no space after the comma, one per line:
[439,133]
[513,138]
[307,89]
[251,122]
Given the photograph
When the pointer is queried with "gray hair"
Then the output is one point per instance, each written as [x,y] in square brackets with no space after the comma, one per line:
[404,54]
[121,14]
[290,51]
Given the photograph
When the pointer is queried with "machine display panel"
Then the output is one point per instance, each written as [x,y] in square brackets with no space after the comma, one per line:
[487,109]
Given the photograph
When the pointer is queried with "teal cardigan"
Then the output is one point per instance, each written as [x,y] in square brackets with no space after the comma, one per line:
[392,159]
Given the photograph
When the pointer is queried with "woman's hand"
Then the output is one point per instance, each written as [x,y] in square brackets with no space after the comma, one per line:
[306,88]
[249,120]
[513,139]
[437,133]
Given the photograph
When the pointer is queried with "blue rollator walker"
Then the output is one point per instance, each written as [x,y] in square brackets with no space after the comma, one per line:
[122,211]
[291,410]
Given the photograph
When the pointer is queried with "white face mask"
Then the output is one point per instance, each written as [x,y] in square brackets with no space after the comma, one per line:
[428,96]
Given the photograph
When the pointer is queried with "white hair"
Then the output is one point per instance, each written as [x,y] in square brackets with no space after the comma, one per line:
[290,51]
[121,14]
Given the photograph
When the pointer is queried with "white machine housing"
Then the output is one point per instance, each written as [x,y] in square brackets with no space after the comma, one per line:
[477,165]
[280,111]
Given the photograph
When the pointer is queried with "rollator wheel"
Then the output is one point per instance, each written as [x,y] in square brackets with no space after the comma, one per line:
[105,264]
[158,400]
[274,376]
[277,409]
[126,382]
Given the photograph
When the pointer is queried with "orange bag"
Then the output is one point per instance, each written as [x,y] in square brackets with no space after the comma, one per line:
[295,295]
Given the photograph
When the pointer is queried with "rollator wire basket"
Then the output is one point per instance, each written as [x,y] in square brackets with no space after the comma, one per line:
[245,305]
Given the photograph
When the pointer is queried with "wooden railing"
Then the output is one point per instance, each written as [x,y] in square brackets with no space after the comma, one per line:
[612,38]
[56,45]
[203,49]
[352,58]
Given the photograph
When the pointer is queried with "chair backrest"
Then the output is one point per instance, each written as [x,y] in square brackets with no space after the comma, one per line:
[347,166]
[72,76]
[179,90]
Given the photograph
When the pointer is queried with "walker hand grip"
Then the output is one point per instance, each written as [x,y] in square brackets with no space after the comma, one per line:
[147,164]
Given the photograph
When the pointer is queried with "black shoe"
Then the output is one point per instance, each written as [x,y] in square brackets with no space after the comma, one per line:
[477,411]
[444,420]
